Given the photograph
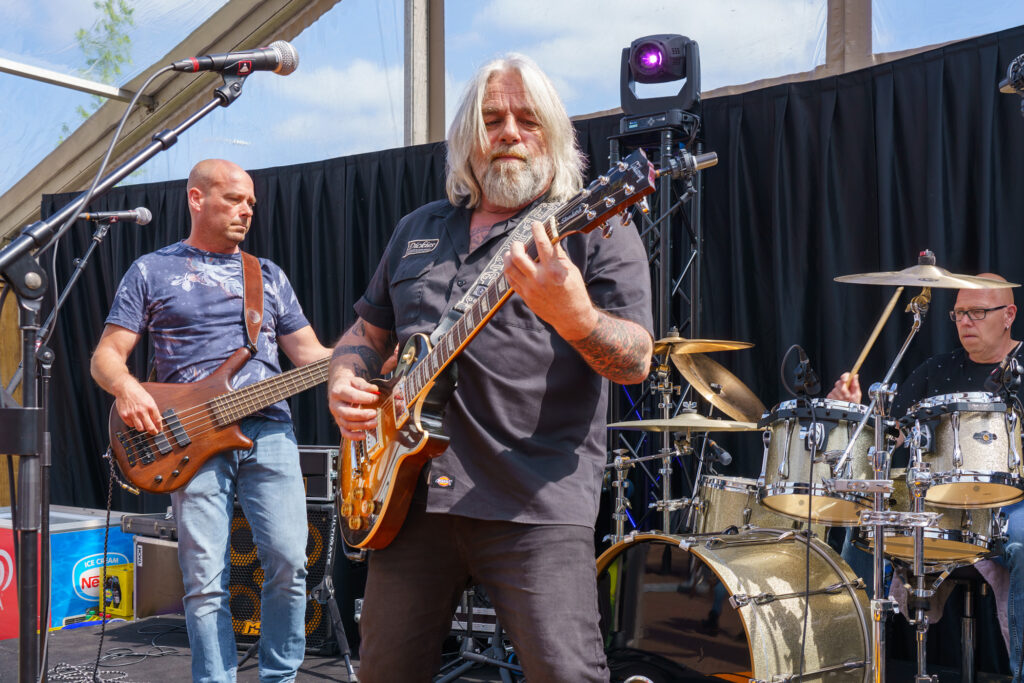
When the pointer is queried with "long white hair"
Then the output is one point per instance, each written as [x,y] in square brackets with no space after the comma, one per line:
[468,133]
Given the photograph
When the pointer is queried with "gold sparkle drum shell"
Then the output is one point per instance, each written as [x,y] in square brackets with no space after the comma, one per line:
[732,606]
[726,502]
[973,447]
[804,442]
[960,535]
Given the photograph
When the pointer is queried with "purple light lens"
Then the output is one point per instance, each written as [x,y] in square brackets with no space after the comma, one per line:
[650,58]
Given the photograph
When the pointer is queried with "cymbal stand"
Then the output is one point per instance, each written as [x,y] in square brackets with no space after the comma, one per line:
[919,479]
[665,388]
[880,454]
[622,466]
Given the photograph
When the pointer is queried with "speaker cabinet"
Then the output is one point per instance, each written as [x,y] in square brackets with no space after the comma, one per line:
[247,578]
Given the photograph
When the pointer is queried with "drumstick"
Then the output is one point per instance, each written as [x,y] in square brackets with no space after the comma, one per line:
[873,337]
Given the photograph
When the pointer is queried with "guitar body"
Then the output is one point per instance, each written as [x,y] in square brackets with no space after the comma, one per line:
[138,454]
[200,420]
[378,474]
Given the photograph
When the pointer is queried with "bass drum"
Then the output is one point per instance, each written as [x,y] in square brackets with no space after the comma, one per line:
[731,607]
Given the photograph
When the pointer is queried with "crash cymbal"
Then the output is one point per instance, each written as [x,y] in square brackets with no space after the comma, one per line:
[719,387]
[925,274]
[683,345]
[686,421]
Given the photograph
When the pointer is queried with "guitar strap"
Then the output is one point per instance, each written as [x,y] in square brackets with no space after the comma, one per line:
[522,234]
[252,299]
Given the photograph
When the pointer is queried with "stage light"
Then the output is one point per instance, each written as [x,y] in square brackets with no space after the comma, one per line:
[658,59]
[661,58]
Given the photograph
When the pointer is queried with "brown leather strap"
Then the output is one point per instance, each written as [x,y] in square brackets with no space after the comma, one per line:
[252,301]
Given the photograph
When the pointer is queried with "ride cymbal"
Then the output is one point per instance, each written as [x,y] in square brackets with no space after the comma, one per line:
[686,421]
[719,387]
[684,345]
[925,274]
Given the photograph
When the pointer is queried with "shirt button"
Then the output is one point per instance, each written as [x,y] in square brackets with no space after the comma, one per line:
[461,283]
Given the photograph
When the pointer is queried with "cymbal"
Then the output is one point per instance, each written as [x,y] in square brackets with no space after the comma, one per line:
[684,345]
[686,421]
[719,387]
[925,275]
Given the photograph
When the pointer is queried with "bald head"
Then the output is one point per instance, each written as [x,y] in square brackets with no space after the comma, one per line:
[1003,295]
[221,201]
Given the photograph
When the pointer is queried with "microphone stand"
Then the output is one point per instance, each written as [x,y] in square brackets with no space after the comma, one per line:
[24,430]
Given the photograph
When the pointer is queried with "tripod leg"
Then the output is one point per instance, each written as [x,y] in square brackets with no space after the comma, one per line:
[249,652]
[340,637]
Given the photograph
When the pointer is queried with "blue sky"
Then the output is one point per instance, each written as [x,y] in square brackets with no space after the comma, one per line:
[346,96]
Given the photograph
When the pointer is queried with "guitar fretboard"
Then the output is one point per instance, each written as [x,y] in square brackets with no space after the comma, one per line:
[233,406]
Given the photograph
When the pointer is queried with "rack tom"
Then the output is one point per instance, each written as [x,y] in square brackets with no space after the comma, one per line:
[972,444]
[732,502]
[803,443]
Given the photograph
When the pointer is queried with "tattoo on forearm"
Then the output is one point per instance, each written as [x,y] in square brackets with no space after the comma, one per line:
[616,349]
[367,360]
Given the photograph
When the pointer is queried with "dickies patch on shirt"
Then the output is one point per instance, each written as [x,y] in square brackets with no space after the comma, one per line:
[442,481]
[420,247]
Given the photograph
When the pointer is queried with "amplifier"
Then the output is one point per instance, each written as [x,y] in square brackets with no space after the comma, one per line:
[158,585]
[319,471]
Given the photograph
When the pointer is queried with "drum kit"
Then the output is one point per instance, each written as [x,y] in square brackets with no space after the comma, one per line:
[798,611]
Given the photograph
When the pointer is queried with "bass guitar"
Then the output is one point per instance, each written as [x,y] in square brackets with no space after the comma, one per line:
[378,475]
[200,420]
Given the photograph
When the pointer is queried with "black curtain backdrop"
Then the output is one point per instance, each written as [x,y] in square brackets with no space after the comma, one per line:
[843,175]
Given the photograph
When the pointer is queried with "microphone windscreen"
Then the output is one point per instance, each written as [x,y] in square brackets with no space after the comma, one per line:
[288,56]
[145,215]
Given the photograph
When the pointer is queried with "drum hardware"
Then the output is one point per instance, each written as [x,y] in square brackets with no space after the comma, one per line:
[883,486]
[882,394]
[684,422]
[742,600]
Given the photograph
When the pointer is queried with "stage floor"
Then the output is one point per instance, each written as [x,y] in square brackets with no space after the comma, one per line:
[155,650]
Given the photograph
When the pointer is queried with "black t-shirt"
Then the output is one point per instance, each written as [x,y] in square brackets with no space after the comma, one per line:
[946,373]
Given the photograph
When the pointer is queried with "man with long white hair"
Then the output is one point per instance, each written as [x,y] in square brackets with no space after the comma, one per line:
[511,504]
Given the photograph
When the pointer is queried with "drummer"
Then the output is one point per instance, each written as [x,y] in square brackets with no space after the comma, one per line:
[983,320]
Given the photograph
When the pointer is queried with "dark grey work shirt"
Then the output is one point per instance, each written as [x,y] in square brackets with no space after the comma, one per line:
[528,417]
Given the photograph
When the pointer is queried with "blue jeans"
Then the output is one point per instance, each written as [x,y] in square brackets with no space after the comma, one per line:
[268,482]
[1014,552]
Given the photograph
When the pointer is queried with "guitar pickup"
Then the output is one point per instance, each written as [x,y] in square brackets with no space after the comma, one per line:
[177,431]
[128,446]
[162,444]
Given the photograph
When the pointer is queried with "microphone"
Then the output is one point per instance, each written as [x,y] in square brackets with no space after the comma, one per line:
[141,215]
[279,57]
[719,454]
[999,381]
[686,165]
[807,382]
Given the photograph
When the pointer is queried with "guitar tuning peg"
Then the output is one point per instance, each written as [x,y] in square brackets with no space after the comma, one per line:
[606,230]
[644,206]
[626,216]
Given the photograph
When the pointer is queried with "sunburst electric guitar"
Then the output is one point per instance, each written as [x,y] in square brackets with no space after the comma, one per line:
[378,474]
[200,420]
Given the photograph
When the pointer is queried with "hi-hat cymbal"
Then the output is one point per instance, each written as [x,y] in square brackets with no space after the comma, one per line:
[719,387]
[684,345]
[686,421]
[925,275]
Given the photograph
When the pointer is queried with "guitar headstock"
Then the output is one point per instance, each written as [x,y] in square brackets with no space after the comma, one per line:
[623,185]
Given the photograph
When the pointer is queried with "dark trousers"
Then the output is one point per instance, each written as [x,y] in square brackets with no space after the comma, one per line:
[541,579]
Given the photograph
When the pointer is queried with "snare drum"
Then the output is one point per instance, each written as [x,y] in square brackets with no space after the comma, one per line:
[787,473]
[732,502]
[960,535]
[732,607]
[973,446]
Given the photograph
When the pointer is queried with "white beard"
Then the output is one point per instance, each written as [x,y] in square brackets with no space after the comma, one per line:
[511,184]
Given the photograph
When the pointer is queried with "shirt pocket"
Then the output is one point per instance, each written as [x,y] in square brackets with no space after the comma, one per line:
[407,288]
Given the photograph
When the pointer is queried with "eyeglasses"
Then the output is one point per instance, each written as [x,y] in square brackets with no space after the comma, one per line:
[974,313]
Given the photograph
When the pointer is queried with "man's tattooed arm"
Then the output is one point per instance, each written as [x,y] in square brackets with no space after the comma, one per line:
[364,348]
[617,349]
